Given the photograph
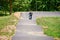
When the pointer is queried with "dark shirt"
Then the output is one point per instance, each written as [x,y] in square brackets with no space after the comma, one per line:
[30,14]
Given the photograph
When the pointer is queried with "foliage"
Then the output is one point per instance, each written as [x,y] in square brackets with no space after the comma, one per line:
[46,5]
[4,5]
[33,5]
[21,5]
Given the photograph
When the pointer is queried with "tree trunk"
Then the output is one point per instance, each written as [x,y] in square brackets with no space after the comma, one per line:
[10,6]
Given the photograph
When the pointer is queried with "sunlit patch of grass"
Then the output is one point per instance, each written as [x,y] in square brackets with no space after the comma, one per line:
[53,24]
[5,21]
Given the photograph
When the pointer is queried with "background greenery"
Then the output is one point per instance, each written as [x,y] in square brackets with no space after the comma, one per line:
[30,5]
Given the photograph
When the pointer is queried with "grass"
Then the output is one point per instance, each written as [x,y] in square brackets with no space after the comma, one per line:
[53,25]
[5,21]
[7,33]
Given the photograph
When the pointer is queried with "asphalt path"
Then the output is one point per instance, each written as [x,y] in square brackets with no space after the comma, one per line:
[28,30]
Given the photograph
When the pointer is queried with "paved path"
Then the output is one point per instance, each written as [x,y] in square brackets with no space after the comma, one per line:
[28,30]
[42,14]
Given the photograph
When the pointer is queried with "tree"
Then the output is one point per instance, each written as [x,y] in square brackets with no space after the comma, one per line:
[27,5]
[10,1]
[21,5]
[4,5]
[45,5]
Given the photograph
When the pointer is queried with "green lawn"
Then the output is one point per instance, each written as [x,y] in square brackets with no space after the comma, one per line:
[5,21]
[52,24]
